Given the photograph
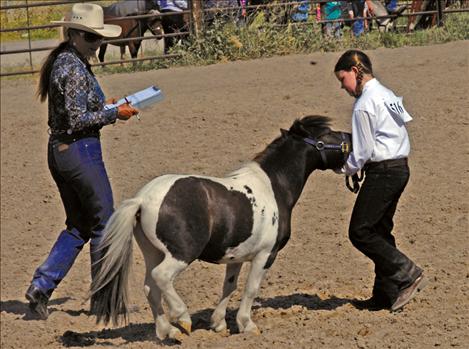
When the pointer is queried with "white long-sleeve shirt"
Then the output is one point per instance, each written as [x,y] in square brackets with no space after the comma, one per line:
[378,127]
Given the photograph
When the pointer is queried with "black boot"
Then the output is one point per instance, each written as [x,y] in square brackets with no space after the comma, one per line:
[37,302]
[375,303]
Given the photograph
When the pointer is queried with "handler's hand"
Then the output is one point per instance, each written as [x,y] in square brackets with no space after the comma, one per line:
[126,111]
[340,170]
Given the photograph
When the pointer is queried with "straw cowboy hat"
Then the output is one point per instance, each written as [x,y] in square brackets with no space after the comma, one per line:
[90,18]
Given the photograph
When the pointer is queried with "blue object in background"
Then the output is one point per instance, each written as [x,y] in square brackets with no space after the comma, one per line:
[391,5]
[358,27]
[301,13]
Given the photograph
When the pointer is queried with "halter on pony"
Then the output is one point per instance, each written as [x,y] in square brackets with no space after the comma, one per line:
[345,148]
[321,147]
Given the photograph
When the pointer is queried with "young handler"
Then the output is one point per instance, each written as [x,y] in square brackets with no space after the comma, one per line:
[380,148]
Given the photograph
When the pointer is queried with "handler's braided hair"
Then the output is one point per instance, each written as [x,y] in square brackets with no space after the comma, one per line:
[357,59]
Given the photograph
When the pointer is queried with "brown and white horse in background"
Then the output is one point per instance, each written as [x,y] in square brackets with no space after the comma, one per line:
[427,21]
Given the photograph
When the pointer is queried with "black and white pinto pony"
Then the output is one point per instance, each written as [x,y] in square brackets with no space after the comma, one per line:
[243,217]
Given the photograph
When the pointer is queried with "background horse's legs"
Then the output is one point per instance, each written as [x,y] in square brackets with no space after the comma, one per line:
[218,322]
[134,46]
[164,275]
[255,277]
[171,25]
[122,48]
[102,51]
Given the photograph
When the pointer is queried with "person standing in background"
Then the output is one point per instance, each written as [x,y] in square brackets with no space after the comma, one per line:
[358,9]
[334,10]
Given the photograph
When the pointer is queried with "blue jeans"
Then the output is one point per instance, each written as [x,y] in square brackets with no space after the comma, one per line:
[358,27]
[80,175]
[371,225]
[302,12]
[391,5]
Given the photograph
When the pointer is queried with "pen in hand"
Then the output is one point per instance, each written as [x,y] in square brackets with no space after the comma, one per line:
[136,115]
[126,111]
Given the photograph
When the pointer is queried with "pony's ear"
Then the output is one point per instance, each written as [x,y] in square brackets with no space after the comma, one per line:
[283,132]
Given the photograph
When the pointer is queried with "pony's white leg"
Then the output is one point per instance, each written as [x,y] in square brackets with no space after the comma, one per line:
[153,257]
[255,277]
[162,326]
[218,322]
[164,275]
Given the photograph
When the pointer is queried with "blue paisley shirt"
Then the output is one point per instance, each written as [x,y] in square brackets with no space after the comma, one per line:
[76,101]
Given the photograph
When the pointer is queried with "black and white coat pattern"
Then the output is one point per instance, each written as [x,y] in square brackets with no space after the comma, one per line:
[243,217]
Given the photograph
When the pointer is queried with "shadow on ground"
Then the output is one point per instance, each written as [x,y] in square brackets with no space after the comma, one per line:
[200,321]
[22,308]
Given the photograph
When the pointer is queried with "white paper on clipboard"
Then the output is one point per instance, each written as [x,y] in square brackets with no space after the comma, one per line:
[140,99]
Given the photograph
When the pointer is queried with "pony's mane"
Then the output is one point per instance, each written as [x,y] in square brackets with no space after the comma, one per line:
[307,126]
[311,125]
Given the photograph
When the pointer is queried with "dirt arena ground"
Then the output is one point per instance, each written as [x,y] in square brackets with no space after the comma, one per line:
[212,120]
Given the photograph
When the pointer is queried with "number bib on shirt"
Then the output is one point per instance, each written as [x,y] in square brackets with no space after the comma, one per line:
[396,108]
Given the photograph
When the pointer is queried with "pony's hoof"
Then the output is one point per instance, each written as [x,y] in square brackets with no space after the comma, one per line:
[170,333]
[252,329]
[186,326]
[219,327]
[224,333]
[176,335]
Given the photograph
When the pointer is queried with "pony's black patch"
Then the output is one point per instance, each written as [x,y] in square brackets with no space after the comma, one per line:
[248,190]
[201,219]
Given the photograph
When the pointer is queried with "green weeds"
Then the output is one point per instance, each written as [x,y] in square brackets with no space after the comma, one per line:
[226,41]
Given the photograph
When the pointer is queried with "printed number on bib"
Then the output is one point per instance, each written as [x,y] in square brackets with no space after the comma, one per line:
[396,108]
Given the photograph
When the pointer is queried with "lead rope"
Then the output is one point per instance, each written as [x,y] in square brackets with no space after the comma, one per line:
[356,179]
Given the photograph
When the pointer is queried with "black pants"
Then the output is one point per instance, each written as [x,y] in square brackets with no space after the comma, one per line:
[371,226]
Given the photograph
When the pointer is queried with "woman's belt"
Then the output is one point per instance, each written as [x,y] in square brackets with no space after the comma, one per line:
[72,137]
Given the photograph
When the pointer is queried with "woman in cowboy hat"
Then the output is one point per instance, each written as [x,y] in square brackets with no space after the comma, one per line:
[76,115]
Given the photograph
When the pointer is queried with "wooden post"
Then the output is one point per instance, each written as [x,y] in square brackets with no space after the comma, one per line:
[29,35]
[439,15]
[197,17]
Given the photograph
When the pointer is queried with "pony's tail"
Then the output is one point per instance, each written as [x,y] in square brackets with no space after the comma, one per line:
[109,287]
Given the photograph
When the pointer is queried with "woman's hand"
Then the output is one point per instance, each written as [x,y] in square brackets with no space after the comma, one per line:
[126,111]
